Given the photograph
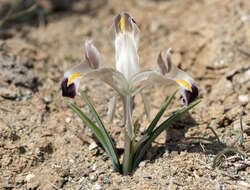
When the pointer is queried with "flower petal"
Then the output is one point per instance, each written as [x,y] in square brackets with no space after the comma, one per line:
[189,96]
[68,91]
[72,78]
[91,68]
[126,45]
[92,55]
[166,73]
[112,77]
[179,76]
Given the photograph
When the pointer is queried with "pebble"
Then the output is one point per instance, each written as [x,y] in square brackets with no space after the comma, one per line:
[97,187]
[7,93]
[219,64]
[237,126]
[47,99]
[247,73]
[142,164]
[68,120]
[245,184]
[106,181]
[93,177]
[29,177]
[92,146]
[243,98]
[94,166]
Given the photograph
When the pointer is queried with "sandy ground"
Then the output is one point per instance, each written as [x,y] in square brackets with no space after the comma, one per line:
[44,145]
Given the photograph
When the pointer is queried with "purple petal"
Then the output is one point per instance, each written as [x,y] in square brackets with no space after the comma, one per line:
[188,96]
[68,91]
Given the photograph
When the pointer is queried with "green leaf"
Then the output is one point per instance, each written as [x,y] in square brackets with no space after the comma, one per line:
[160,113]
[220,155]
[111,146]
[141,150]
[98,133]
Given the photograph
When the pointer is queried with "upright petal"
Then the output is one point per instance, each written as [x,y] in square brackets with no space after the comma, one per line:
[126,45]
[72,77]
[92,55]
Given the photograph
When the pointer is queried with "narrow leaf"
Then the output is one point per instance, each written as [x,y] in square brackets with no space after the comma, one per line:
[141,150]
[160,113]
[219,156]
[98,133]
[105,134]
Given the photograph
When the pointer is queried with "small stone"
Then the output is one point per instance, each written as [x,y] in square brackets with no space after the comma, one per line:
[172,187]
[97,187]
[68,120]
[106,181]
[243,98]
[230,54]
[142,164]
[7,93]
[245,184]
[29,177]
[94,166]
[240,166]
[93,177]
[47,99]
[237,126]
[92,146]
[247,73]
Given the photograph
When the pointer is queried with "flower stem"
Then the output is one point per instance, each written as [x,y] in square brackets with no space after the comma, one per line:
[129,135]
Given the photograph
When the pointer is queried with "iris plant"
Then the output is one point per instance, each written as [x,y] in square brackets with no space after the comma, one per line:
[128,81]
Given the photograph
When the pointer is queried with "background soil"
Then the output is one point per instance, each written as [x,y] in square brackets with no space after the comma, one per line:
[44,145]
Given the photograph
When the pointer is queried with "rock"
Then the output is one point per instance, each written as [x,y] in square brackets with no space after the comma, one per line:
[68,120]
[172,187]
[47,99]
[7,93]
[29,177]
[142,164]
[97,187]
[92,146]
[243,98]
[93,177]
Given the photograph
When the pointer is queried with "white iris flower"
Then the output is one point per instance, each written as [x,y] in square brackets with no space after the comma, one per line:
[126,79]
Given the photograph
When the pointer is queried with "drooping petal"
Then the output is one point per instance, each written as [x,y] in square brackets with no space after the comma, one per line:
[189,96]
[112,77]
[166,73]
[73,75]
[72,78]
[68,91]
[183,79]
[126,45]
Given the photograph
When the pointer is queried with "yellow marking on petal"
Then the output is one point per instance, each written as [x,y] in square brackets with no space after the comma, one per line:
[74,76]
[122,24]
[185,84]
